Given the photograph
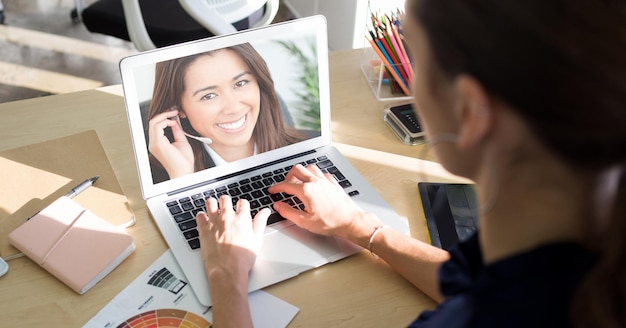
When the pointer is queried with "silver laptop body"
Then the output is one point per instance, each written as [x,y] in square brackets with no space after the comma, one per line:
[287,249]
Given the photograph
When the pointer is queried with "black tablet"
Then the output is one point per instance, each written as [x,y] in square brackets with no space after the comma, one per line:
[450,210]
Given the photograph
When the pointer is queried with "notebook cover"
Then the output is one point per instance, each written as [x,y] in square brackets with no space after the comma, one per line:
[35,175]
[72,243]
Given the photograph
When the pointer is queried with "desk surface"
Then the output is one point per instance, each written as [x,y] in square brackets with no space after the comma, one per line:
[358,291]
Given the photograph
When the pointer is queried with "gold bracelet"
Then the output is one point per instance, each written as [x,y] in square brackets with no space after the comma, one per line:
[374,233]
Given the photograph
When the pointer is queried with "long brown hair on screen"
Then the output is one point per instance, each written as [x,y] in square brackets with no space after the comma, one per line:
[562,65]
[169,87]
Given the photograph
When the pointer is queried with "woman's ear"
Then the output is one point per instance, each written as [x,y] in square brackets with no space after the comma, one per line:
[181,113]
[475,114]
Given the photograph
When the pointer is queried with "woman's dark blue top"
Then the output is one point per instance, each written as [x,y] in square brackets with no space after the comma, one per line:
[531,289]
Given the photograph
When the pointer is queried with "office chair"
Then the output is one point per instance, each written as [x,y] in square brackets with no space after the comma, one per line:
[1,12]
[149,24]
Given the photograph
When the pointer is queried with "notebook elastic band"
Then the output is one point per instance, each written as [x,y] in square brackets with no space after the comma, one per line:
[67,230]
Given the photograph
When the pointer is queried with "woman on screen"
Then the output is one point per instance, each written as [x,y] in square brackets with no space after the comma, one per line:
[213,108]
[528,100]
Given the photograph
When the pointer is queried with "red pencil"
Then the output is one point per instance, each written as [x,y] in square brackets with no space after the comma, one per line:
[394,61]
[390,67]
[406,62]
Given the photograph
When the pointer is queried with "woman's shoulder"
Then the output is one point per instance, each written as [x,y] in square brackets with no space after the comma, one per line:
[513,292]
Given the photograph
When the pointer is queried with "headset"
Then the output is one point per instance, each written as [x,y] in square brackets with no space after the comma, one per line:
[206,140]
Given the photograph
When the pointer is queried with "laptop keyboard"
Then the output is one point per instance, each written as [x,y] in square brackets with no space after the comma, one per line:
[254,189]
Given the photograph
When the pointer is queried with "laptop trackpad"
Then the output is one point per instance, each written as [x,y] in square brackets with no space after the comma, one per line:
[293,247]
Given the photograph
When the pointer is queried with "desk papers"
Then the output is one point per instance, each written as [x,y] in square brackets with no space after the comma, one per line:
[161,293]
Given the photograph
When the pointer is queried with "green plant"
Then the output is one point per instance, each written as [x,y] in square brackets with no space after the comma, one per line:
[307,114]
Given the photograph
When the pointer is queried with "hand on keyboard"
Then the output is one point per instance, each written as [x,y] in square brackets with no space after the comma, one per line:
[255,190]
[328,208]
[230,240]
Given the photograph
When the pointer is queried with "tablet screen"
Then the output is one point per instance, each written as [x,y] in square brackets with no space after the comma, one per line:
[450,211]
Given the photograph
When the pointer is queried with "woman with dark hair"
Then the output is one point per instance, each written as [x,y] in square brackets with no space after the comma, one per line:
[528,100]
[227,98]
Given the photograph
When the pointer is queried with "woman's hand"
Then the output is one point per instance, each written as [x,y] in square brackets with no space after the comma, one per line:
[230,242]
[176,157]
[229,239]
[328,209]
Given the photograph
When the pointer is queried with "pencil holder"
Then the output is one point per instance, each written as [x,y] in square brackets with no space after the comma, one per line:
[385,84]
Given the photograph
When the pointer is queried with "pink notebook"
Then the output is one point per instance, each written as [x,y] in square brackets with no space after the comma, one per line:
[73,244]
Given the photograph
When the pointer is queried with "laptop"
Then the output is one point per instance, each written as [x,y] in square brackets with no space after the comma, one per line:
[296,54]
[450,210]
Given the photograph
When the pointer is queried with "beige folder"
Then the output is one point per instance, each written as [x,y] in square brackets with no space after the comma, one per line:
[34,176]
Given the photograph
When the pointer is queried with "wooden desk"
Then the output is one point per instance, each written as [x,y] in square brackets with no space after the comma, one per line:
[359,291]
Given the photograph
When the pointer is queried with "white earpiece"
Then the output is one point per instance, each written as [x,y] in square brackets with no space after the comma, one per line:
[206,140]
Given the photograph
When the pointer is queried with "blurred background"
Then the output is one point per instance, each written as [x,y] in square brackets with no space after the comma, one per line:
[44,50]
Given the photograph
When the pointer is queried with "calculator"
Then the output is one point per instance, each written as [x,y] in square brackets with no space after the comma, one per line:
[404,123]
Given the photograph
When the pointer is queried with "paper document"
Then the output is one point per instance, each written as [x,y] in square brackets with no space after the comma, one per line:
[161,297]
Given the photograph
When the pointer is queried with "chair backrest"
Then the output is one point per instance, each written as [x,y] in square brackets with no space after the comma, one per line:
[217,16]
[206,12]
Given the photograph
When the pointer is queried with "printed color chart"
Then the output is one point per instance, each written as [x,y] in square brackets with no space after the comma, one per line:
[170,318]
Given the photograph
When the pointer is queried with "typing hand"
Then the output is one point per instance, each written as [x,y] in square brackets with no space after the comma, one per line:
[230,240]
[328,209]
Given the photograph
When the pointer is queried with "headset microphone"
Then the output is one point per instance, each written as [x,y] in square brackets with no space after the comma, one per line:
[206,140]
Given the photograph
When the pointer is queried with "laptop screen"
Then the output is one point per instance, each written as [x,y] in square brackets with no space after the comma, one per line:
[209,108]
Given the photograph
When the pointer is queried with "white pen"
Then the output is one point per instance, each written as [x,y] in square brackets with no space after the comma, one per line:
[81,187]
[76,190]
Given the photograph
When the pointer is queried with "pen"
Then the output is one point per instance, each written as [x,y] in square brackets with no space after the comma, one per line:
[76,190]
[81,187]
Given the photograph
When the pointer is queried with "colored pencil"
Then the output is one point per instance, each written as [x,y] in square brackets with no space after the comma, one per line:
[397,41]
[387,42]
[392,57]
[390,67]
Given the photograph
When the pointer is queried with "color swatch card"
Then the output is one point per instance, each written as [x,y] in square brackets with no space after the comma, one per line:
[161,297]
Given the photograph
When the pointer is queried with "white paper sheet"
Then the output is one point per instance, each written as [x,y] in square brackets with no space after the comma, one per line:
[161,297]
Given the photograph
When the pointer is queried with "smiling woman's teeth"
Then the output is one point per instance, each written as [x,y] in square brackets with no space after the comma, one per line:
[233,125]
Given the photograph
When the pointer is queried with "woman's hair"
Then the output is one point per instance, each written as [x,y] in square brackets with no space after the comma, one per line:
[170,85]
[562,65]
